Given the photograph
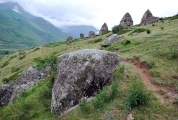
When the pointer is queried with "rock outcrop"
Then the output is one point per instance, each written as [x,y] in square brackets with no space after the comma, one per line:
[104,29]
[81,35]
[69,38]
[148,18]
[24,82]
[112,39]
[81,74]
[126,20]
[91,34]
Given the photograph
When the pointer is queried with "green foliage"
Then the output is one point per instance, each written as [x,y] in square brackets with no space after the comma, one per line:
[5,80]
[22,57]
[138,30]
[84,107]
[46,61]
[95,41]
[148,31]
[174,53]
[162,28]
[126,42]
[116,29]
[137,95]
[5,64]
[119,72]
[105,96]
[36,49]
[13,77]
[6,52]
[15,69]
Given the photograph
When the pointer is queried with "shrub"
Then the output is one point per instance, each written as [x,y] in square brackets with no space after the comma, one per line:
[13,77]
[116,29]
[119,72]
[36,49]
[5,80]
[139,30]
[84,107]
[137,95]
[148,31]
[22,56]
[95,40]
[15,69]
[105,96]
[5,64]
[174,54]
[162,28]
[126,42]
[46,61]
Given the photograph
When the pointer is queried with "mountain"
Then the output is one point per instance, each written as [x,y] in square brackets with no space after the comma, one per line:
[20,30]
[76,30]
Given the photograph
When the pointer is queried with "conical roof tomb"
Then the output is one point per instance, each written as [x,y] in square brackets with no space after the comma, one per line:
[104,29]
[126,20]
[148,18]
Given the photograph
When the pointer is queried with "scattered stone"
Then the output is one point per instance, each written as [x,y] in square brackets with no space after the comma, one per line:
[81,74]
[148,18]
[91,34]
[104,29]
[112,39]
[126,20]
[24,82]
[70,38]
[81,35]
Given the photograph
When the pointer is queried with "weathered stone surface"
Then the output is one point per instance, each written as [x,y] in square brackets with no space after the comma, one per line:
[104,29]
[148,18]
[24,82]
[70,38]
[126,20]
[80,74]
[81,35]
[112,39]
[91,34]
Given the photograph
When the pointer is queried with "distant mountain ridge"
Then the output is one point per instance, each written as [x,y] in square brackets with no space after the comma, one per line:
[76,30]
[20,30]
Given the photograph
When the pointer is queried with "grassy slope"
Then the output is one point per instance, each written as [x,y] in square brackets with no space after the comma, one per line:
[154,48]
[36,31]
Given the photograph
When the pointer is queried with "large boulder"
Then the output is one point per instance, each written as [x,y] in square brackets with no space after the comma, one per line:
[148,18]
[104,29]
[24,82]
[126,20]
[91,34]
[112,39]
[81,74]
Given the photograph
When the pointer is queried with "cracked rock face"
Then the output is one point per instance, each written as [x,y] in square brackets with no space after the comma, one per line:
[24,82]
[81,74]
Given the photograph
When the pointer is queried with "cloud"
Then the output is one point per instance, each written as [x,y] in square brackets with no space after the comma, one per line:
[95,12]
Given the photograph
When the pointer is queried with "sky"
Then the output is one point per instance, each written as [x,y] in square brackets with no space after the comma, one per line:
[62,13]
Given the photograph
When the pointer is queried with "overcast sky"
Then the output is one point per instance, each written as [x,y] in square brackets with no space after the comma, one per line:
[96,12]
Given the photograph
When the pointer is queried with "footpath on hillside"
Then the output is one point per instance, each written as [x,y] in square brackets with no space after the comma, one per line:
[164,93]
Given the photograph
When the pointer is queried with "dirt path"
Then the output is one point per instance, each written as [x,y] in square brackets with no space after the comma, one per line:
[164,93]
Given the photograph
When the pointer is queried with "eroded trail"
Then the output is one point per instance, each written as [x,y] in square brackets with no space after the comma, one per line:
[164,93]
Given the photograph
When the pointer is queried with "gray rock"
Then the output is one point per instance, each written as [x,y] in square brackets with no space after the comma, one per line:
[24,82]
[112,39]
[104,29]
[148,18]
[126,20]
[69,38]
[81,35]
[81,74]
[91,34]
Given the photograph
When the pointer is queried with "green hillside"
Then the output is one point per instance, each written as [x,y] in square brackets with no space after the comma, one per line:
[159,49]
[22,30]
